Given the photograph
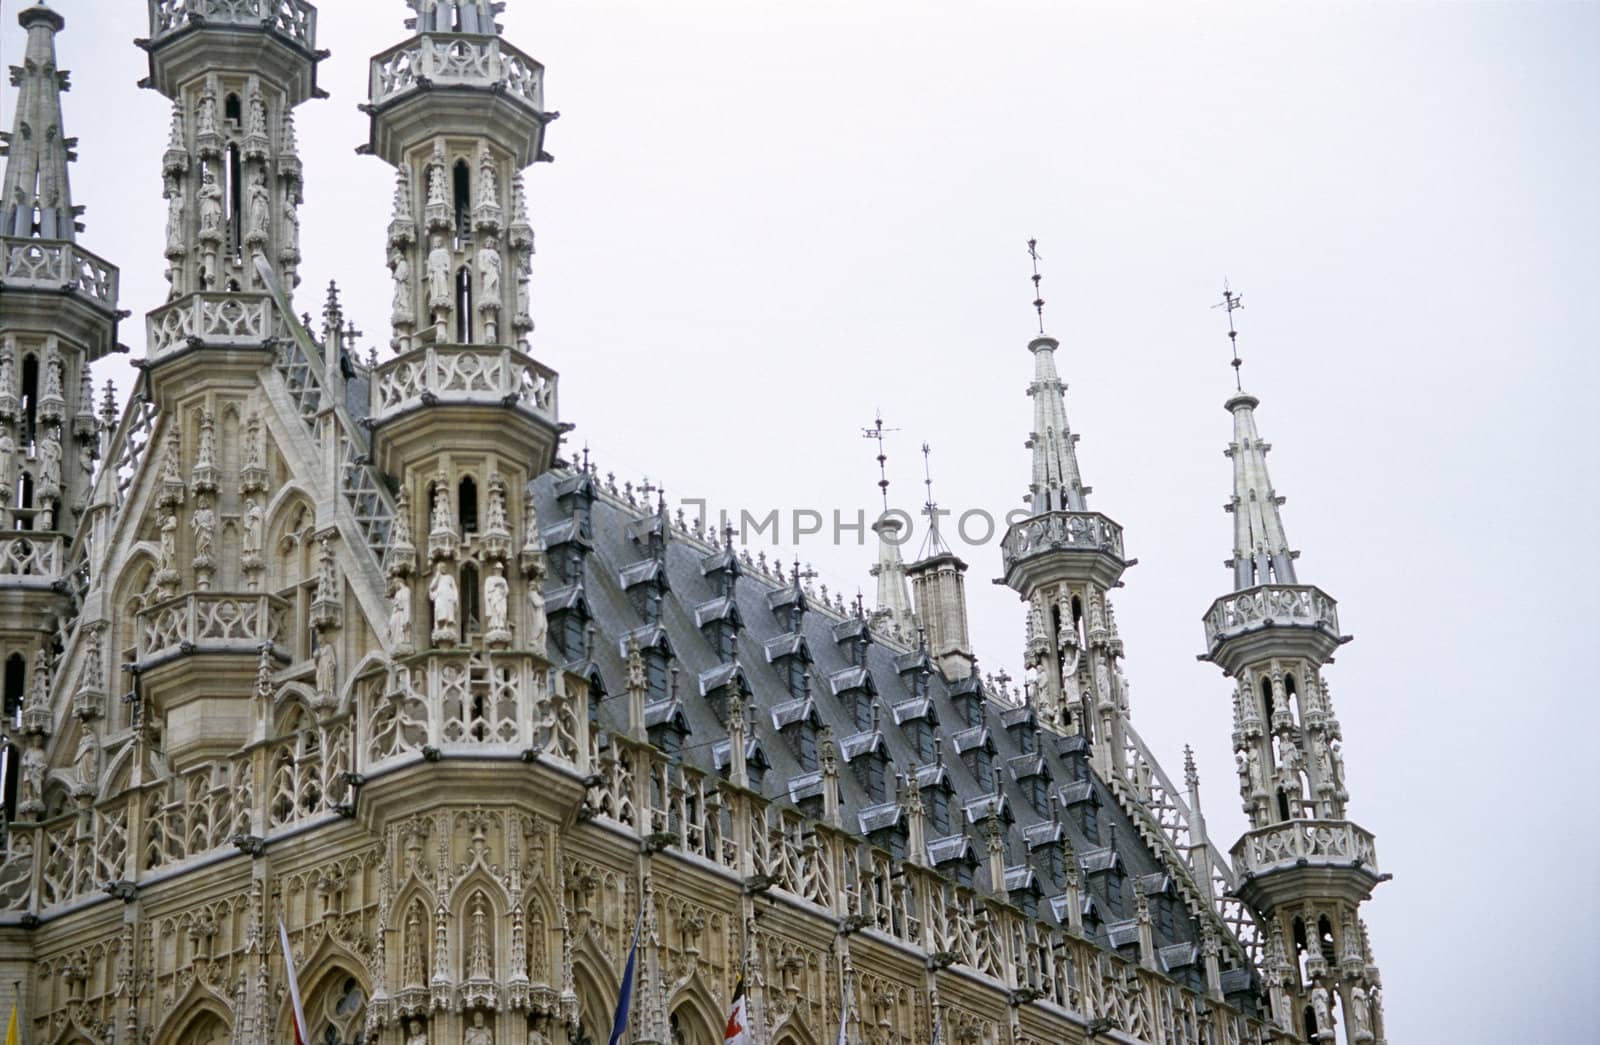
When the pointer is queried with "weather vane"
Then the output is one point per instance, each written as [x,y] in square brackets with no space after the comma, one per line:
[1038,299]
[1232,302]
[877,431]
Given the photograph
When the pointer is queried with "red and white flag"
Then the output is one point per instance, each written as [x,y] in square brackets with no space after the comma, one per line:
[738,1032]
[298,1013]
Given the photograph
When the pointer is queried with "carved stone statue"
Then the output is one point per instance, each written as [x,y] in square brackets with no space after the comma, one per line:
[496,593]
[49,468]
[250,524]
[258,116]
[210,205]
[86,762]
[260,208]
[400,616]
[204,525]
[169,542]
[8,466]
[327,675]
[478,1034]
[205,113]
[439,274]
[174,194]
[416,1034]
[445,596]
[489,274]
[538,623]
[400,308]
[1322,1010]
[34,766]
[1360,1014]
[524,278]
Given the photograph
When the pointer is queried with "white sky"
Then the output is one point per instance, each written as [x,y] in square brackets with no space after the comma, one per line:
[767,221]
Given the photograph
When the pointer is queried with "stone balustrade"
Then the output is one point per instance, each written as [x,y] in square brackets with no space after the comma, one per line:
[1325,843]
[27,561]
[1275,605]
[1060,531]
[204,622]
[463,374]
[293,19]
[453,60]
[231,320]
[57,265]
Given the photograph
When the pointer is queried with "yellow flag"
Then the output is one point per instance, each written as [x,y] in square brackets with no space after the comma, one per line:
[12,1037]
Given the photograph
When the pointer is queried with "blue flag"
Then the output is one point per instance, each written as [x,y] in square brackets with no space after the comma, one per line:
[619,1024]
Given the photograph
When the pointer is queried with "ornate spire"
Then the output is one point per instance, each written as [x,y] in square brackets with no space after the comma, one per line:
[1261,553]
[37,200]
[1057,484]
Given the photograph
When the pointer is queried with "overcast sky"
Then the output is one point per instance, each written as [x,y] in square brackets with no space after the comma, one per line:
[767,221]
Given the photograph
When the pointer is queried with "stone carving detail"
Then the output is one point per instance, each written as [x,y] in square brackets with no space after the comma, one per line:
[443,594]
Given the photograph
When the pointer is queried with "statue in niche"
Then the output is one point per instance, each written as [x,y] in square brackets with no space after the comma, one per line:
[496,593]
[478,1034]
[538,623]
[250,524]
[204,525]
[416,1034]
[1322,1009]
[8,466]
[210,205]
[52,376]
[400,268]
[439,274]
[327,675]
[34,766]
[205,113]
[86,762]
[174,196]
[400,616]
[260,208]
[169,542]
[524,277]
[258,115]
[489,273]
[440,522]
[49,468]
[291,222]
[8,376]
[495,514]
[446,600]
[1360,1014]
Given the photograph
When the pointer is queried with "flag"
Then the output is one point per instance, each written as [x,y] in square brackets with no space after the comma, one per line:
[298,1013]
[738,1032]
[619,1023]
[12,1036]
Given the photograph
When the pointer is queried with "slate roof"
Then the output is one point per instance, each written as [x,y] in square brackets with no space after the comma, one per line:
[694,575]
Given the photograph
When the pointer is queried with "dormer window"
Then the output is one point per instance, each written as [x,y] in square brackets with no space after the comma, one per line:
[791,658]
[798,723]
[937,801]
[1114,882]
[666,726]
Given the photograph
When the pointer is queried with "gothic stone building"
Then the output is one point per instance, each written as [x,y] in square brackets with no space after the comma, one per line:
[289,637]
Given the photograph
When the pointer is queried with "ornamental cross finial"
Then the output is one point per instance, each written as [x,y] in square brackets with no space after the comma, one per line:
[1232,302]
[877,431]
[1038,299]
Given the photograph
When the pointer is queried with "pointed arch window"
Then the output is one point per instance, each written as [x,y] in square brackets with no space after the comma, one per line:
[467,504]
[469,600]
[461,179]
[30,399]
[463,306]
[232,173]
